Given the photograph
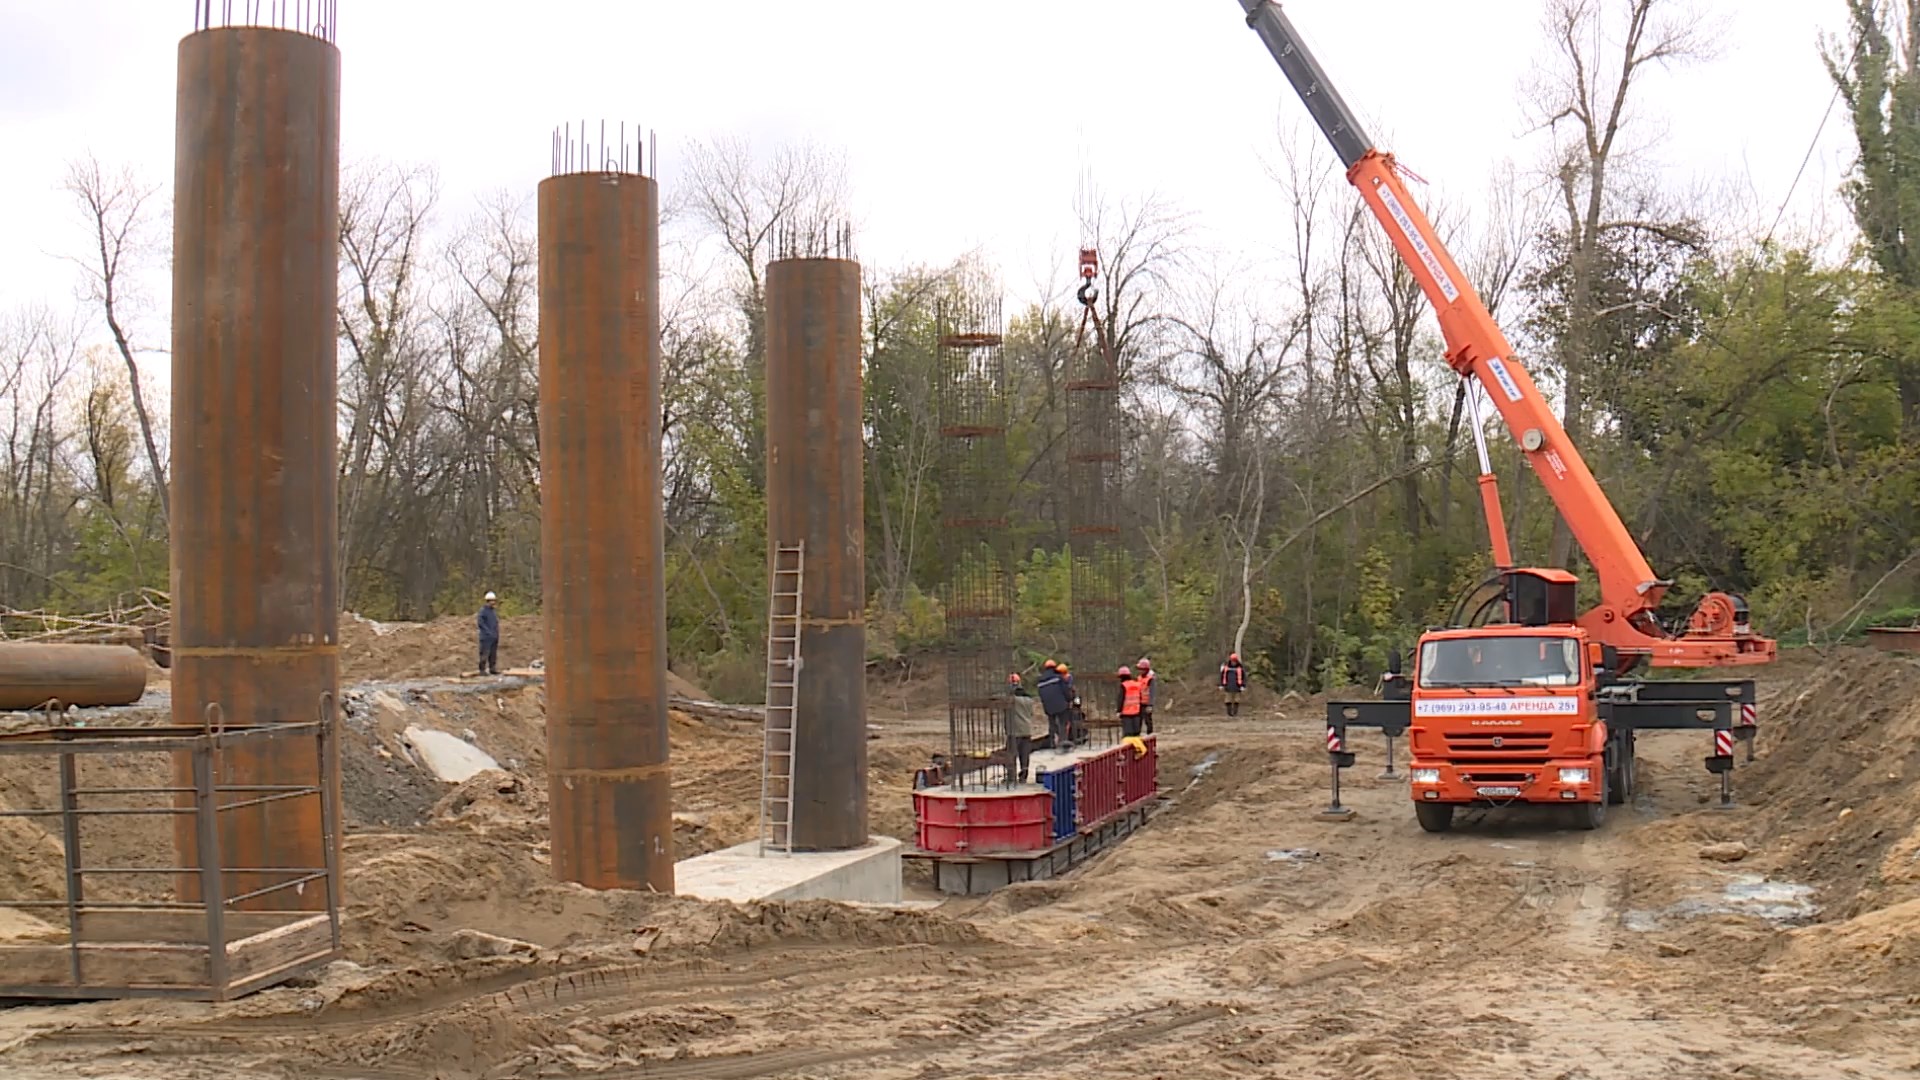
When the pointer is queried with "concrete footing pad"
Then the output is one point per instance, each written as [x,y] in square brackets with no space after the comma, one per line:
[869,874]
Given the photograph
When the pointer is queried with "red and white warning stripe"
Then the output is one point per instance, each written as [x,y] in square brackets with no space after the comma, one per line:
[1723,742]
[1749,715]
[1334,744]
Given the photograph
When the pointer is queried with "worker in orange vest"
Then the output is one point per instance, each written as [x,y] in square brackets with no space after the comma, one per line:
[1130,705]
[1233,682]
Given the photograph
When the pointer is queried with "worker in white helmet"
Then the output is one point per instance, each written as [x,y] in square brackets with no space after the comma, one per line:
[489,625]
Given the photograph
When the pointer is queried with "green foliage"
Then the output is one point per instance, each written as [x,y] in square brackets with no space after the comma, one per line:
[1044,604]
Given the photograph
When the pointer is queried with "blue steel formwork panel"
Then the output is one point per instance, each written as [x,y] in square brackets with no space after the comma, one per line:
[1064,784]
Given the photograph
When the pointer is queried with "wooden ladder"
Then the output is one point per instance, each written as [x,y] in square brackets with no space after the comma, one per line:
[783,690]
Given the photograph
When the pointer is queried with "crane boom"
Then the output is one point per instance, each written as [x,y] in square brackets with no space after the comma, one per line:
[1476,348]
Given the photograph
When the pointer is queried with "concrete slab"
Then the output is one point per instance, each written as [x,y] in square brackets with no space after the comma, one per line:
[448,757]
[869,874]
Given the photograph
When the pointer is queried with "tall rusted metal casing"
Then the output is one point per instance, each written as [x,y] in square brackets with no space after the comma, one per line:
[254,516]
[815,494]
[602,530]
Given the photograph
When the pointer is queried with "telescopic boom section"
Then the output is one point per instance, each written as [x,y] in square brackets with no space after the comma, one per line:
[1629,591]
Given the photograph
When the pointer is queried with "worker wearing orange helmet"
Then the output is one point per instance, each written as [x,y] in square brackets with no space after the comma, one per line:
[1056,700]
[1131,705]
[1019,727]
[1233,682]
[1145,669]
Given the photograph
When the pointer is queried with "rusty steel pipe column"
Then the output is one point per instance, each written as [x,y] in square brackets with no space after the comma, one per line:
[816,494]
[32,674]
[256,608]
[602,530]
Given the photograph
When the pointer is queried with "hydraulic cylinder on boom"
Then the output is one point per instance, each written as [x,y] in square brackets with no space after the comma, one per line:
[1717,634]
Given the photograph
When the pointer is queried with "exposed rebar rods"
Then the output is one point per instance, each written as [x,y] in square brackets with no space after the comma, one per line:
[599,147]
[318,18]
[1093,526]
[975,489]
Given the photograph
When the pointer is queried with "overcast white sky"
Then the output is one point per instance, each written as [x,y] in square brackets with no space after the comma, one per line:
[965,123]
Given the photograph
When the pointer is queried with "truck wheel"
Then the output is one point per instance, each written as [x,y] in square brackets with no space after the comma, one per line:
[1591,815]
[1616,776]
[1434,817]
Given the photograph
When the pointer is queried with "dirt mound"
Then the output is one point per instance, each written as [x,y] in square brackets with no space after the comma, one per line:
[376,651]
[1837,784]
[31,866]
[1881,945]
[387,652]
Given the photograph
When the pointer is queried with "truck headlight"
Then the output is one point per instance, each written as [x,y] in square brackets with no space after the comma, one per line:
[1426,776]
[1575,776]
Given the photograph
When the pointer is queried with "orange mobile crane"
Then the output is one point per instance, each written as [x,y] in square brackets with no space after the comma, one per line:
[1536,706]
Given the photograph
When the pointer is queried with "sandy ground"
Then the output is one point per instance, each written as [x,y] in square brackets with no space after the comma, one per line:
[1237,935]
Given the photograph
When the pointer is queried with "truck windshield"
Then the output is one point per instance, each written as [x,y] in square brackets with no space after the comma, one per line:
[1501,661]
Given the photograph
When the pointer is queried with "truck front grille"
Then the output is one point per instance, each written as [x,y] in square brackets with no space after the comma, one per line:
[1498,747]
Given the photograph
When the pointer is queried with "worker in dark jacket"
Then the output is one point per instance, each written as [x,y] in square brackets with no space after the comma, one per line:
[1057,702]
[1233,682]
[1076,716]
[489,625]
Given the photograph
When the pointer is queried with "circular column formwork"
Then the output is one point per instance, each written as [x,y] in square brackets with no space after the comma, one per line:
[602,531]
[816,494]
[254,516]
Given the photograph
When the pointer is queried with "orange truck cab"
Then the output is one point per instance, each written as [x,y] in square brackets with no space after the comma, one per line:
[1502,715]
[1526,709]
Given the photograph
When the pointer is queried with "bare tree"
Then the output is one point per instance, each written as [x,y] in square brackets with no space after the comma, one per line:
[384,211]
[746,199]
[39,352]
[1142,247]
[119,209]
[1602,49]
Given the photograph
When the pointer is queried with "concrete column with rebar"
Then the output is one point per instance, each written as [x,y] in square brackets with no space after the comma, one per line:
[816,494]
[602,538]
[253,514]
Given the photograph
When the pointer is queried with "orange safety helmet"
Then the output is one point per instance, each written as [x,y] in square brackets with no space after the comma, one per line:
[1144,664]
[1050,666]
[1124,672]
[1233,657]
[1013,678]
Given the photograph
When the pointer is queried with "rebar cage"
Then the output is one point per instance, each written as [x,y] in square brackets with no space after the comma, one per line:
[213,938]
[975,497]
[1098,586]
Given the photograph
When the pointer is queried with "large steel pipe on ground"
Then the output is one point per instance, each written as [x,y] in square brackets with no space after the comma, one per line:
[33,674]
[255,556]
[602,532]
[815,494]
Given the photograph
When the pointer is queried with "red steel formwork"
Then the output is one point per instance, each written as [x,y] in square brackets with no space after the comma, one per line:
[602,569]
[816,494]
[983,822]
[253,513]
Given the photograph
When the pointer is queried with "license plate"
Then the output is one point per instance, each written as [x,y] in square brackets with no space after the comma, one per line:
[1498,792]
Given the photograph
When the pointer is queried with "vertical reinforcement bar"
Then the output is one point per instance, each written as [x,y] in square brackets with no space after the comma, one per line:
[206,824]
[70,838]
